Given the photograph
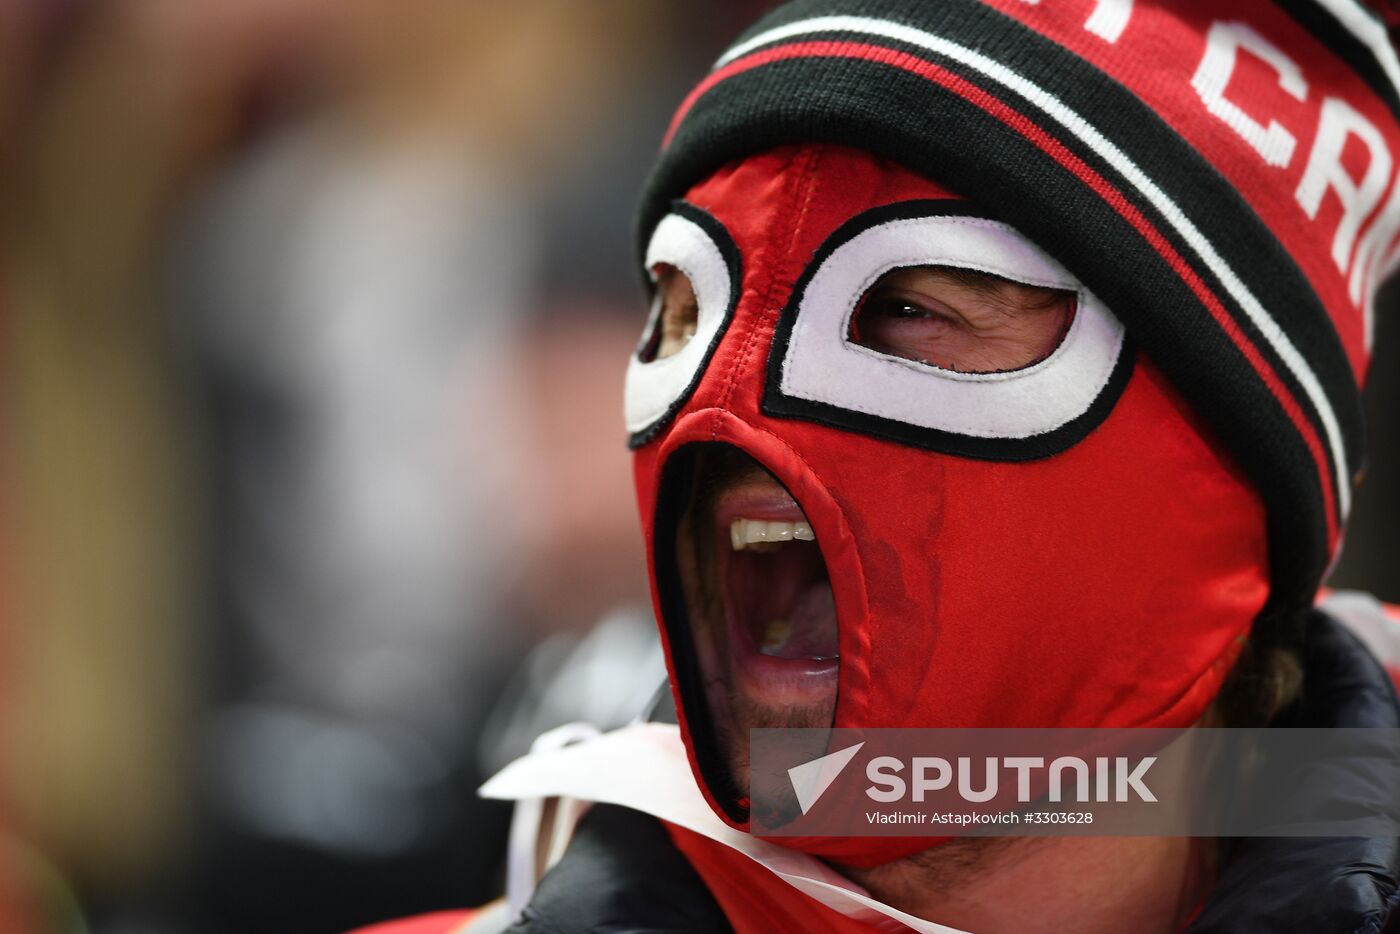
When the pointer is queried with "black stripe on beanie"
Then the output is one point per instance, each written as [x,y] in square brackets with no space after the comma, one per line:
[1322,24]
[887,111]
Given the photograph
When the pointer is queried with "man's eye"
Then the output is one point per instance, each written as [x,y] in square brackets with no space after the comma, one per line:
[677,315]
[891,307]
[959,320]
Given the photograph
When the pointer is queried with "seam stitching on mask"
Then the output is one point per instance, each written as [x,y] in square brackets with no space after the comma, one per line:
[861,634]
[805,177]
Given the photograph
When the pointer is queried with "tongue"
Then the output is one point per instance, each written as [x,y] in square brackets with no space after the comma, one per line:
[810,629]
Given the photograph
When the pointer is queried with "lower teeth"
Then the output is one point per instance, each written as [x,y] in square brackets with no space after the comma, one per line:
[775,636]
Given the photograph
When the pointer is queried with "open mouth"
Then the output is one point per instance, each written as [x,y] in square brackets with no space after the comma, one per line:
[748,601]
[776,592]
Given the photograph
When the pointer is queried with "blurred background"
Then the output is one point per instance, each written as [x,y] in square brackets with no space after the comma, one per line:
[315,506]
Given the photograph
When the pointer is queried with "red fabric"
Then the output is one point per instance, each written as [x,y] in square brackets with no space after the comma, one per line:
[438,922]
[753,899]
[1109,586]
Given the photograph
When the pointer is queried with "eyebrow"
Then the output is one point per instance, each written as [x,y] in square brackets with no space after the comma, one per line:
[994,287]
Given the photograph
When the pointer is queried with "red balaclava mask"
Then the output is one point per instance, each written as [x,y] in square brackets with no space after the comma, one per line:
[1062,545]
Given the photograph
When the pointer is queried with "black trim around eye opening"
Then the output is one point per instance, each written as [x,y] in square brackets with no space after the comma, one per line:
[672,500]
[1035,447]
[733,261]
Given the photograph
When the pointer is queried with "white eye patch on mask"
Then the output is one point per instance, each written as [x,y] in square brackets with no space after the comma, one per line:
[698,247]
[818,372]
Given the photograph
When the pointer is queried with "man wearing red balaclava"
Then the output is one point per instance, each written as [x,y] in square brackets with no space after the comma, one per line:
[1002,370]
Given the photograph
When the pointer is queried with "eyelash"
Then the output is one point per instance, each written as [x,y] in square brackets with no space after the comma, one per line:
[894,306]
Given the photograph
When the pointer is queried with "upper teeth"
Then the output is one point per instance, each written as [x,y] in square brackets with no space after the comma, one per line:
[748,533]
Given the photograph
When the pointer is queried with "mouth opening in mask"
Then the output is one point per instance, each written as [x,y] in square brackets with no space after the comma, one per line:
[748,605]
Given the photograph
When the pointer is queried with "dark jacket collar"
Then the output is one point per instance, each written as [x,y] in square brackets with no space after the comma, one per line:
[1345,884]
